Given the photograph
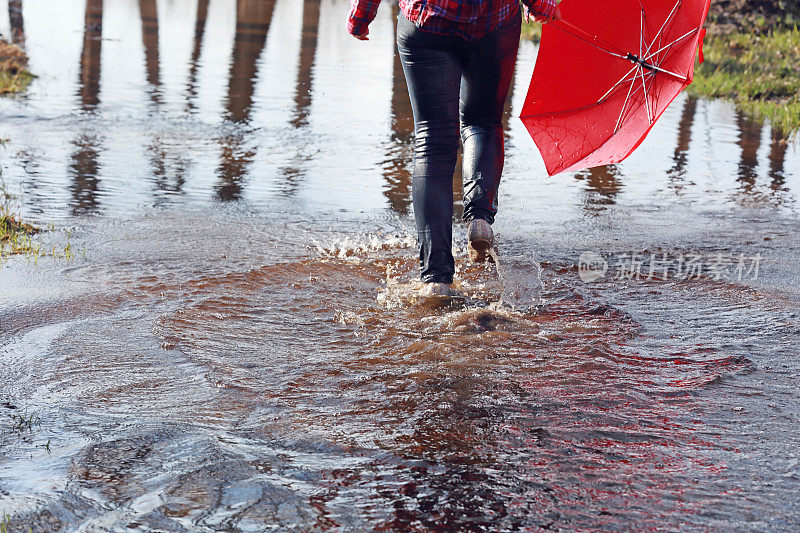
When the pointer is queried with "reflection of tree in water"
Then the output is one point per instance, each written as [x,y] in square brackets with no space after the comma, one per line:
[164,165]
[234,164]
[777,160]
[161,161]
[15,22]
[294,172]
[148,11]
[197,48]
[84,167]
[252,23]
[253,18]
[305,70]
[89,70]
[603,185]
[749,142]
[677,173]
[85,170]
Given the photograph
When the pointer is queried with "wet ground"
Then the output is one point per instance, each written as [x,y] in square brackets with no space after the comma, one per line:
[233,341]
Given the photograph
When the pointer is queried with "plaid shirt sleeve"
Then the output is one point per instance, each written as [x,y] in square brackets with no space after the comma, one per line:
[362,12]
[540,8]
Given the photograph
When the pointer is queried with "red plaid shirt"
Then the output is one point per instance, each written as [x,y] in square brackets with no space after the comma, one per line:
[470,19]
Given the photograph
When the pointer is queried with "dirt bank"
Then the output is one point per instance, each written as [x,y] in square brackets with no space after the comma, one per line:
[752,16]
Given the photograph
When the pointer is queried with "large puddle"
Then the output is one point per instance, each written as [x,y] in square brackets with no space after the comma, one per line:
[234,341]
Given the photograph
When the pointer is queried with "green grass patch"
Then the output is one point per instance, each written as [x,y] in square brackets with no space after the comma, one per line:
[15,235]
[760,73]
[15,82]
[14,74]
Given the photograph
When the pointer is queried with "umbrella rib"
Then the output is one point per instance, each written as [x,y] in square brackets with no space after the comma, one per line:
[665,71]
[584,39]
[655,93]
[644,58]
[666,48]
[641,34]
[682,37]
[646,100]
[625,104]
[656,68]
[622,80]
[663,26]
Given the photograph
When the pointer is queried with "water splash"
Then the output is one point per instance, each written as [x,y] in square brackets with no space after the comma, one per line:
[358,246]
[521,289]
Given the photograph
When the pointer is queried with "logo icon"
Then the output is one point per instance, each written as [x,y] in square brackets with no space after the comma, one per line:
[591,267]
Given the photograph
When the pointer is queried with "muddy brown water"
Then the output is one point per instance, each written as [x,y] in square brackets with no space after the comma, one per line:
[235,341]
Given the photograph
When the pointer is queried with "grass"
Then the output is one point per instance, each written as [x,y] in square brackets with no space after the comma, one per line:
[5,523]
[532,31]
[24,421]
[760,73]
[15,235]
[14,82]
[14,74]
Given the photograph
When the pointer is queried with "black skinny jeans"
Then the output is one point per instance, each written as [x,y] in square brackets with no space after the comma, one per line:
[452,80]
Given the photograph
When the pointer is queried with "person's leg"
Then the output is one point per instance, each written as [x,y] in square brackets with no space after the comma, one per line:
[488,73]
[433,73]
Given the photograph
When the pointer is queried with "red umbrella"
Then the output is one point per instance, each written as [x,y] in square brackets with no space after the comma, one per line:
[605,73]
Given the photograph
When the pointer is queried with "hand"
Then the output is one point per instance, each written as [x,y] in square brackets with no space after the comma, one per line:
[363,36]
[540,18]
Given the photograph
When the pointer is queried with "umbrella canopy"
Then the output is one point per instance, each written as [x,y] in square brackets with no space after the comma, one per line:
[605,73]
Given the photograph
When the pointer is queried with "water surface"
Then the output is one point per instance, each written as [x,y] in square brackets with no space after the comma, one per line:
[236,345]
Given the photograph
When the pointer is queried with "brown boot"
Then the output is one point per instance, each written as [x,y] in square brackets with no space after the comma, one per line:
[481,239]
